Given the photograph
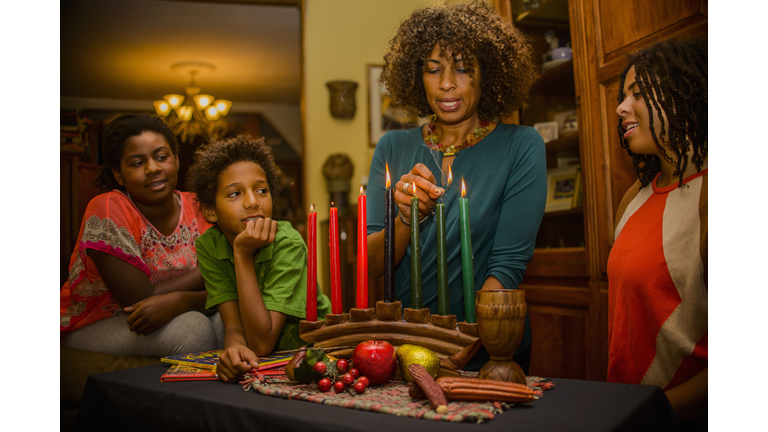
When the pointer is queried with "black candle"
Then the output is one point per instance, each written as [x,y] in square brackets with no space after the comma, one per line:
[389,242]
[415,253]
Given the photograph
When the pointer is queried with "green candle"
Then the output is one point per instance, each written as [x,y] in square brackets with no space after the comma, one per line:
[415,253]
[467,270]
[443,307]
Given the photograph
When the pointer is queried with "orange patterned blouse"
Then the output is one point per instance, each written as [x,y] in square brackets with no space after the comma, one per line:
[112,224]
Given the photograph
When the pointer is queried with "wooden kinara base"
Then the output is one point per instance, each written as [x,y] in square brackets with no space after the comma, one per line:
[454,343]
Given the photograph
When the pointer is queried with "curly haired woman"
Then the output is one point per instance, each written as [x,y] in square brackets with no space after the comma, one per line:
[657,269]
[466,68]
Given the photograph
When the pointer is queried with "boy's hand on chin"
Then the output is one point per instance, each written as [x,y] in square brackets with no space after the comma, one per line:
[235,361]
[256,235]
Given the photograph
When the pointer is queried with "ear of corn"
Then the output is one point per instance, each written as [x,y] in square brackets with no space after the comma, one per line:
[479,390]
[430,388]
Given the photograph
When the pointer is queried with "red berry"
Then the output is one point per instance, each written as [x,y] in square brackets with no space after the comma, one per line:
[324,384]
[355,373]
[364,380]
[342,365]
[339,386]
[360,387]
[320,367]
[347,379]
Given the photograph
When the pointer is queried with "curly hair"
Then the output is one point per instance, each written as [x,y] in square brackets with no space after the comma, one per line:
[672,78]
[504,53]
[115,137]
[211,160]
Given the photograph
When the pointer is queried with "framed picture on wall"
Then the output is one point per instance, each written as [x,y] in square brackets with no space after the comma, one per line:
[563,186]
[383,114]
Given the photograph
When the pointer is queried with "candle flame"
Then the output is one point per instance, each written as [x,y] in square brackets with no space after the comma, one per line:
[388,181]
[361,189]
[311,208]
[450,176]
[463,188]
[332,204]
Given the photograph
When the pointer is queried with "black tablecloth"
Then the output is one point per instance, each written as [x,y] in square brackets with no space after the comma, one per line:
[135,400]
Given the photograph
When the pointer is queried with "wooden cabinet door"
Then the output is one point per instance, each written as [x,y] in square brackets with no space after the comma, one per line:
[603,33]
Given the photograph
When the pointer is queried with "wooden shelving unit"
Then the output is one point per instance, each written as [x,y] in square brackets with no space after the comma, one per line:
[547,12]
[557,278]
[555,92]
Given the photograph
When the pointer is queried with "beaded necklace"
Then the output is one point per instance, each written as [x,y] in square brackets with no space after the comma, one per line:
[433,141]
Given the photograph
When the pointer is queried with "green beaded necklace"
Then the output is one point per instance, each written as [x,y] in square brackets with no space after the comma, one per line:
[433,141]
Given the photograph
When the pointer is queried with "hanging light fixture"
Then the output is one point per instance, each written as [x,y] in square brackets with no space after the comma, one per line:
[195,113]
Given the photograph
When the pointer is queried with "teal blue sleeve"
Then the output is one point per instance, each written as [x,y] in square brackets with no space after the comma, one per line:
[522,208]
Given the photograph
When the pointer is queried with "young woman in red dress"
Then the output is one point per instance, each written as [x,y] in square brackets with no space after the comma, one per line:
[657,269]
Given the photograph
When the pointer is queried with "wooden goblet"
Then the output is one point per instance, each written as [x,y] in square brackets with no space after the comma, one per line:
[501,321]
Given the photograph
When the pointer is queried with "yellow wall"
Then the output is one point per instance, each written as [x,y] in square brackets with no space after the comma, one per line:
[340,38]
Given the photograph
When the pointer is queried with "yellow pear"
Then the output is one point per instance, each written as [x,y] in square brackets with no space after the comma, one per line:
[409,354]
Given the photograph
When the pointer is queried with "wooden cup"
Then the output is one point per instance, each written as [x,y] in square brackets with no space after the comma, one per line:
[501,322]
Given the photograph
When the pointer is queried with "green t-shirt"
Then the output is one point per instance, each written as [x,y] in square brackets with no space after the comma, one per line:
[281,270]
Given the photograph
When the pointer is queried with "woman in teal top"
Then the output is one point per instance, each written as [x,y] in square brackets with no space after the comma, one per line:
[464,66]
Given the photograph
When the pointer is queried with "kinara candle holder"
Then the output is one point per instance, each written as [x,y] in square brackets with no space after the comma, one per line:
[454,343]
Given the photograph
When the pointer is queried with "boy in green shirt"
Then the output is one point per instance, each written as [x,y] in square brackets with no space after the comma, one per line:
[255,268]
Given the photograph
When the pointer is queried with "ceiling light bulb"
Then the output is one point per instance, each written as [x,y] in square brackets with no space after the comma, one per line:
[202,101]
[174,100]
[212,113]
[223,106]
[185,113]
[162,108]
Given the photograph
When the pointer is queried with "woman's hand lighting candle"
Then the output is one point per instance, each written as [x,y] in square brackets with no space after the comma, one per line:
[312,264]
[336,306]
[415,253]
[389,241]
[362,252]
[467,270]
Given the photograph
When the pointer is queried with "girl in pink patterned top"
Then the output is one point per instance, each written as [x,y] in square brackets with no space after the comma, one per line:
[134,287]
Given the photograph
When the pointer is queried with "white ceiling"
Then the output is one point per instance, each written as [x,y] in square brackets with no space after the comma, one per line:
[123,49]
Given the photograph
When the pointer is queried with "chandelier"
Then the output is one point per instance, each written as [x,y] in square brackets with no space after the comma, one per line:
[195,113]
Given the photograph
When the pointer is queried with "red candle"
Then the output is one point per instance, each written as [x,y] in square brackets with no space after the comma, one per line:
[362,252]
[336,307]
[312,265]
